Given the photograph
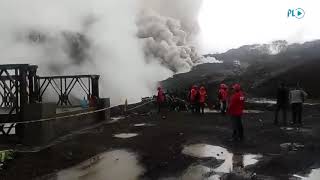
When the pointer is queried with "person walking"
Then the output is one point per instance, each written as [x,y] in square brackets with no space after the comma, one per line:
[235,110]
[223,96]
[282,103]
[297,97]
[203,98]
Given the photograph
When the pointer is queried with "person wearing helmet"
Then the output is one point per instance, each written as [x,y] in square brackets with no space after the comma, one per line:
[160,99]
[203,97]
[193,98]
[223,96]
[235,110]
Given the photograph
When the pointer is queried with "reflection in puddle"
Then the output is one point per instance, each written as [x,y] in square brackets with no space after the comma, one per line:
[125,135]
[204,150]
[230,162]
[118,164]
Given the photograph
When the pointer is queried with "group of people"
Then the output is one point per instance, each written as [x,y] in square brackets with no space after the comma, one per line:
[232,102]
[233,105]
[286,98]
[197,99]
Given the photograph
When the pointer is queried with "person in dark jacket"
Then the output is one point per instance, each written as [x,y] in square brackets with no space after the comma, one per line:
[282,103]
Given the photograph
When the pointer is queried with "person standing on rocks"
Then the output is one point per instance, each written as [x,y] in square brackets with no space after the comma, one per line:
[297,97]
[235,110]
[282,103]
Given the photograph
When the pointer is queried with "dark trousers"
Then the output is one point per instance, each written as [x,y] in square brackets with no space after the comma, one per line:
[160,104]
[193,107]
[196,107]
[237,127]
[223,106]
[283,108]
[202,105]
[296,112]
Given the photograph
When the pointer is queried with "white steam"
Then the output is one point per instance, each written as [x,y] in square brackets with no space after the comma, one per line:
[165,41]
[98,37]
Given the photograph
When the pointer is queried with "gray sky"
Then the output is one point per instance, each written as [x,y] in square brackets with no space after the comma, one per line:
[229,24]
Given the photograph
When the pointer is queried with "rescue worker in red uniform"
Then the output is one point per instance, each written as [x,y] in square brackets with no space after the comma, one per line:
[203,97]
[223,97]
[235,110]
[160,99]
[193,98]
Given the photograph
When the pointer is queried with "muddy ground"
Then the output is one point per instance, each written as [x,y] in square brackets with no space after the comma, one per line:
[159,147]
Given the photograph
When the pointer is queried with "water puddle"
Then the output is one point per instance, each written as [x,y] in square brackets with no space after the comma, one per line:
[253,111]
[115,119]
[294,130]
[311,104]
[125,135]
[287,128]
[262,101]
[118,164]
[142,124]
[207,110]
[229,161]
[248,111]
[291,146]
[314,175]
[251,159]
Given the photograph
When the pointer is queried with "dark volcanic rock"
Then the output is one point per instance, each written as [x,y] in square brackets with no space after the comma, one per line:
[260,70]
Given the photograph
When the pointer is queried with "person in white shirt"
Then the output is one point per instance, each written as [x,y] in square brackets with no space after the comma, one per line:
[297,97]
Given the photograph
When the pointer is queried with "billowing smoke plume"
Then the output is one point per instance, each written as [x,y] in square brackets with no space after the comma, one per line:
[97,37]
[165,41]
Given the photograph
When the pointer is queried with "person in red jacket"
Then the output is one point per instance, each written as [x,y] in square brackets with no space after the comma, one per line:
[202,98]
[193,98]
[160,99]
[223,96]
[235,110]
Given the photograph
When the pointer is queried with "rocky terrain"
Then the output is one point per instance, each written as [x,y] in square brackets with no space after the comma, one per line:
[259,68]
